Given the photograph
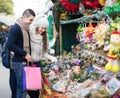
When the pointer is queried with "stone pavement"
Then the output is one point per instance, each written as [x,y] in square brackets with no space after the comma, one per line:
[4,82]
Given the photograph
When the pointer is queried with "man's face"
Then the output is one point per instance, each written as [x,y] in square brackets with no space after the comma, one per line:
[28,20]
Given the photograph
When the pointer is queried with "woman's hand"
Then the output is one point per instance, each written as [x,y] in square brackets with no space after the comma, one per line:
[54,59]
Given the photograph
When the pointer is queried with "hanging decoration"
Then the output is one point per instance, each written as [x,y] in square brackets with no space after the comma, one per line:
[113,52]
[89,30]
[101,31]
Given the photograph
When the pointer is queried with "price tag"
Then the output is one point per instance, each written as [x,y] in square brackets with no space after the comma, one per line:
[113,85]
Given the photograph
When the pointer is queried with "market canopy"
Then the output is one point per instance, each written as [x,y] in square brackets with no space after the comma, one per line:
[7,19]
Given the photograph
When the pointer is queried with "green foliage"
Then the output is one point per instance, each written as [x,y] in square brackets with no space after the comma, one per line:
[113,9]
[6,6]
[81,77]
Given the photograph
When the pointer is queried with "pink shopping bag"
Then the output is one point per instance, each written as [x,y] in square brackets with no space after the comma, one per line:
[32,78]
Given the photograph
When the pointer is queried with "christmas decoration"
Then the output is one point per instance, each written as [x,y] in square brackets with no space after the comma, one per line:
[91,4]
[112,57]
[113,9]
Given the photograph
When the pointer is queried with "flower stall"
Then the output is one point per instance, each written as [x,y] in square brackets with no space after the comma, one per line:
[89,45]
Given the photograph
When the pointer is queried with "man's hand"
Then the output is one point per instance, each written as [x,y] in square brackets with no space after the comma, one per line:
[28,57]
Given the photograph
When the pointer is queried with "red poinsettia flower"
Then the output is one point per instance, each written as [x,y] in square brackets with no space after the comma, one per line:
[91,4]
[69,6]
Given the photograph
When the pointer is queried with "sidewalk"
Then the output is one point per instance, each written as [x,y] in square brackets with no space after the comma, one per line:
[4,82]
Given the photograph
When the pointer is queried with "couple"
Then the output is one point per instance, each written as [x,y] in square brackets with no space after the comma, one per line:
[31,47]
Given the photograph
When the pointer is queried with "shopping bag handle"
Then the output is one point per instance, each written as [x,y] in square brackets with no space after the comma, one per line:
[31,64]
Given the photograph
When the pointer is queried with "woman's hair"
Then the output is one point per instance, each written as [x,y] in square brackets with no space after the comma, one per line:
[44,40]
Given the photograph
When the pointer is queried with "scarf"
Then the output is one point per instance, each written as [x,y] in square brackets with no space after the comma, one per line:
[25,31]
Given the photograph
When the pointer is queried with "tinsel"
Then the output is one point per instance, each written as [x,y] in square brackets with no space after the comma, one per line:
[113,9]
[86,19]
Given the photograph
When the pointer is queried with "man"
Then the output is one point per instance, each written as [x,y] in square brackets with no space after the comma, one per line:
[18,42]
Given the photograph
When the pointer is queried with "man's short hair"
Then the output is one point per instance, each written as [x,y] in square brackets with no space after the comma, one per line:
[28,12]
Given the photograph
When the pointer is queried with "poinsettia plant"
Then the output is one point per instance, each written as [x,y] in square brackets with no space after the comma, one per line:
[70,7]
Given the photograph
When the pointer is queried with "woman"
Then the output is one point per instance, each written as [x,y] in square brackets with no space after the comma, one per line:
[39,45]
[38,36]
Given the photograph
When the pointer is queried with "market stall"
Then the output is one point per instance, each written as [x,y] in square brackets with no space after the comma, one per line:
[89,40]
